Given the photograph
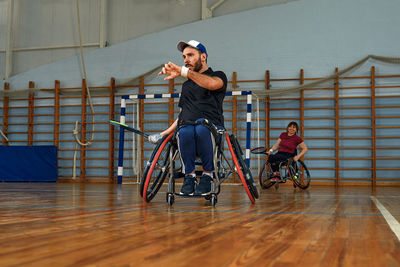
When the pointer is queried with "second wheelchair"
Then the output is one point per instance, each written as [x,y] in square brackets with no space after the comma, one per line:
[295,171]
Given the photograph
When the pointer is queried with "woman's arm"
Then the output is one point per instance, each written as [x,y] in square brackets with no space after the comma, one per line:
[304,150]
[275,146]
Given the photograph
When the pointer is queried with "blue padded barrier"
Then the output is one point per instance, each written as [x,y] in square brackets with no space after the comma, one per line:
[28,163]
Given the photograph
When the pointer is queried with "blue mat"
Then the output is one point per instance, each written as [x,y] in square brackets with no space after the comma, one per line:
[28,163]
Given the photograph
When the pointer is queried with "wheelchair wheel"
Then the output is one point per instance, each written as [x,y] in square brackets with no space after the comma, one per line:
[265,176]
[156,170]
[242,168]
[299,174]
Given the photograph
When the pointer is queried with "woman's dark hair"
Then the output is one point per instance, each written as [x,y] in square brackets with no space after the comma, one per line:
[293,123]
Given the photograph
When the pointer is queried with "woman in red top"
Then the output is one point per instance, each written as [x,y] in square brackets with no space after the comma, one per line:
[287,144]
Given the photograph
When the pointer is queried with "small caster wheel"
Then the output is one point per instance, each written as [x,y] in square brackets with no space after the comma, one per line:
[276,186]
[170,199]
[214,200]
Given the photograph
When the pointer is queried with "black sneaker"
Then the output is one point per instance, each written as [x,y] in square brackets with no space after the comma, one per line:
[188,185]
[204,186]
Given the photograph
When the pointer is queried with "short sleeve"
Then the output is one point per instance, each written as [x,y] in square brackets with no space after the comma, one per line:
[222,76]
[299,140]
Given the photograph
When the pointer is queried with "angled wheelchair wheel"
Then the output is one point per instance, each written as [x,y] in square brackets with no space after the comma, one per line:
[242,168]
[265,176]
[299,174]
[156,170]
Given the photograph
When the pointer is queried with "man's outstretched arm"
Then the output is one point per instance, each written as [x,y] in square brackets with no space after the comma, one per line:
[203,80]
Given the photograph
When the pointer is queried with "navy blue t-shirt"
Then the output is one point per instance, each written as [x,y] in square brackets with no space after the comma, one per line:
[197,102]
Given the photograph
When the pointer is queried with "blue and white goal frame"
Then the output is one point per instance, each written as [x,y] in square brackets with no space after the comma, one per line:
[124,98]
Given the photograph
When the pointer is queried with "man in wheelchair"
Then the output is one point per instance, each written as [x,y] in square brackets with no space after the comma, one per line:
[286,144]
[201,99]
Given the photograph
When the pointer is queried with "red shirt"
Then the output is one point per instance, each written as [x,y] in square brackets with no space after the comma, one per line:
[289,143]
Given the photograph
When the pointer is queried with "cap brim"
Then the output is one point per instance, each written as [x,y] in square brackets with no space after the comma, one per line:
[181,45]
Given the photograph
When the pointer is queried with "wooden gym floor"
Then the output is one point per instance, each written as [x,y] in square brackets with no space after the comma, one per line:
[61,224]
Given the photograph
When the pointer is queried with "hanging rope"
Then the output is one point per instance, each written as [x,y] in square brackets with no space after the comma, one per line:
[76,131]
[4,136]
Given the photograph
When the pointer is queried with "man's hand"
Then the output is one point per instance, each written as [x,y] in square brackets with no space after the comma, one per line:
[170,69]
[154,138]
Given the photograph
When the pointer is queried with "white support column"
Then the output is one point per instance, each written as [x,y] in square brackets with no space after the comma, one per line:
[103,23]
[9,44]
[206,12]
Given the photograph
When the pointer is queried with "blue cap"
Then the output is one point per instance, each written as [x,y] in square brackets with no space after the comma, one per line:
[193,43]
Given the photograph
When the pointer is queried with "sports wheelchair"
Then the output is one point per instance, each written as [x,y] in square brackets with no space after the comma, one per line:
[165,162]
[296,171]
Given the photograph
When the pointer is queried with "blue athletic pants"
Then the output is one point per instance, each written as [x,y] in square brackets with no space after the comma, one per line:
[196,140]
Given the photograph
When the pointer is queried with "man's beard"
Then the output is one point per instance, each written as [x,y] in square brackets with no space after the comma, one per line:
[197,65]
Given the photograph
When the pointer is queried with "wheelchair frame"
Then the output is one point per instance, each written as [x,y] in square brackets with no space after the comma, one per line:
[164,158]
[296,171]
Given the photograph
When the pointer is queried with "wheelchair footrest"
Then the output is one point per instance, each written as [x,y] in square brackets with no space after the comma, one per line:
[280,181]
[192,196]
